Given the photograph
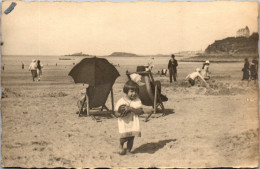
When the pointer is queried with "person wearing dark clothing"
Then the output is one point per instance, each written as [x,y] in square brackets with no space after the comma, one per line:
[172,66]
[253,72]
[22,66]
[255,61]
[246,70]
[39,69]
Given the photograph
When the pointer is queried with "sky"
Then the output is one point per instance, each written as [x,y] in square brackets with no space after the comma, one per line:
[101,28]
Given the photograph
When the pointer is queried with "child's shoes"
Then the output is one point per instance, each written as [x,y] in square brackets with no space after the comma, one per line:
[122,152]
[128,152]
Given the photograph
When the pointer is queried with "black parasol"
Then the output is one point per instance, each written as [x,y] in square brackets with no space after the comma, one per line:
[94,71]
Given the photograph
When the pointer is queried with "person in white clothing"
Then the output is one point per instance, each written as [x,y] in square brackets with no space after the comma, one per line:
[33,68]
[195,75]
[127,110]
[205,70]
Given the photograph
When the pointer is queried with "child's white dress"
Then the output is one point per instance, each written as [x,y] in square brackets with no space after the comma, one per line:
[129,125]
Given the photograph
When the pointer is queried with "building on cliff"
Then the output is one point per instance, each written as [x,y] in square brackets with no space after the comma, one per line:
[244,32]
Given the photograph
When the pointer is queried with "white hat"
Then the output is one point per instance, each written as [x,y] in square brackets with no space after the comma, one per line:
[135,77]
[207,61]
[198,70]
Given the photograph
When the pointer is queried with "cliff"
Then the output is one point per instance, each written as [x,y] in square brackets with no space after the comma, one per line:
[235,45]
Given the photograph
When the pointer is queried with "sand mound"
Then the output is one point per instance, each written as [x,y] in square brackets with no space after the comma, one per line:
[235,144]
[220,88]
[6,92]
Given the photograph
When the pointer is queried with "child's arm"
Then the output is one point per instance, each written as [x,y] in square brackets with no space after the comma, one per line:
[138,111]
[187,77]
[207,85]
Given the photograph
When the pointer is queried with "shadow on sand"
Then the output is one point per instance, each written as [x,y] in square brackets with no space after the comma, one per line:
[168,112]
[152,147]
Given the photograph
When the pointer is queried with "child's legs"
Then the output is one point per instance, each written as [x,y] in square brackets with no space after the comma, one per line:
[130,143]
[122,141]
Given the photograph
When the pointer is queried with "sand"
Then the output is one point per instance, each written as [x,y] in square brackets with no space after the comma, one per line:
[215,127]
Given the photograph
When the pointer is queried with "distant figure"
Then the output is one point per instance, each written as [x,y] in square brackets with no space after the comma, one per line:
[255,61]
[150,64]
[33,68]
[128,108]
[22,66]
[252,71]
[246,70]
[3,67]
[163,72]
[195,75]
[39,69]
[205,70]
[56,64]
[172,66]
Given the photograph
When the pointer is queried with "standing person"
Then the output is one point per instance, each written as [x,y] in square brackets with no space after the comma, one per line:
[172,66]
[255,61]
[150,64]
[22,65]
[253,71]
[246,70]
[205,70]
[195,75]
[33,69]
[39,69]
[127,110]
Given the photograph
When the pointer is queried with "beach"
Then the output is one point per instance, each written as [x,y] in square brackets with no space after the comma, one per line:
[214,127]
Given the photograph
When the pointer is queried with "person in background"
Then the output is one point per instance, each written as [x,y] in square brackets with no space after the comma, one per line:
[150,64]
[33,69]
[22,65]
[39,69]
[255,61]
[205,70]
[127,110]
[195,75]
[246,70]
[252,71]
[172,66]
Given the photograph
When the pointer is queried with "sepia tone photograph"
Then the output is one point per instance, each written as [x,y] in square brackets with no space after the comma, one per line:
[129,84]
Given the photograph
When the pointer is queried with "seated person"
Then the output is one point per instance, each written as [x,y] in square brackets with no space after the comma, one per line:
[138,79]
[81,101]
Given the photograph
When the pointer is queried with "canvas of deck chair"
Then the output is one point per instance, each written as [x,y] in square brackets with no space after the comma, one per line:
[95,98]
[149,90]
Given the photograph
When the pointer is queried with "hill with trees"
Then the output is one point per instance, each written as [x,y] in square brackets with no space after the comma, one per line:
[235,45]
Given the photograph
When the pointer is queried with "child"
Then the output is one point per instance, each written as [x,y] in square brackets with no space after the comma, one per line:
[205,70]
[127,110]
[191,77]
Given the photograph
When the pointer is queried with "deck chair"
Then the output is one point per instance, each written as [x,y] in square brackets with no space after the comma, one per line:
[96,97]
[149,91]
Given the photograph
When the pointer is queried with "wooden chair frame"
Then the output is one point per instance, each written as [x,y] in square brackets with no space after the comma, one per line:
[157,101]
[86,101]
